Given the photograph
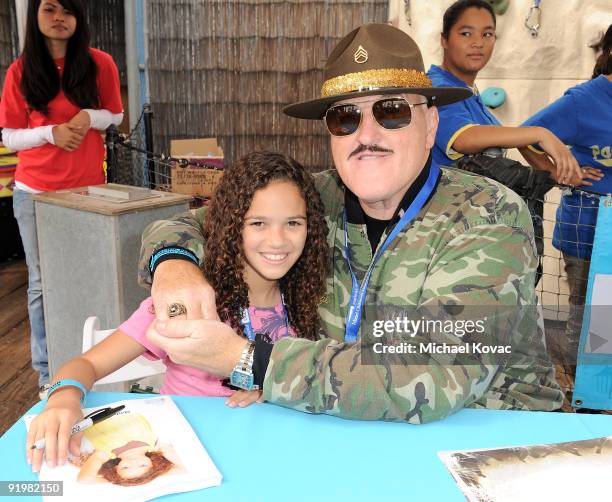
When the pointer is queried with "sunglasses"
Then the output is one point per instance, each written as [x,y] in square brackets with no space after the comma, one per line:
[390,113]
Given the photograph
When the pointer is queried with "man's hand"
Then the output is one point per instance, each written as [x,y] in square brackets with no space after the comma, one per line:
[211,346]
[68,137]
[567,167]
[180,281]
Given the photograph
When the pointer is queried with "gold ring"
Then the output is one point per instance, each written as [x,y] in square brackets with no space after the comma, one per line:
[176,309]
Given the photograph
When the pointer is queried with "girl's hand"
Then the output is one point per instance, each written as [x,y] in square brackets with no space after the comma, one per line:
[565,162]
[81,120]
[243,398]
[68,137]
[54,424]
[588,173]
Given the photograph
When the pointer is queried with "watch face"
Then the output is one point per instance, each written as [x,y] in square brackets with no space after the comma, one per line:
[242,379]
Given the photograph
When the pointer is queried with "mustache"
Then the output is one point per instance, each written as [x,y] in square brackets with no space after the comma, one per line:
[369,148]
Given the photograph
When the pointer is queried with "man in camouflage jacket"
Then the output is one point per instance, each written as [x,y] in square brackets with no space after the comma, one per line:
[470,245]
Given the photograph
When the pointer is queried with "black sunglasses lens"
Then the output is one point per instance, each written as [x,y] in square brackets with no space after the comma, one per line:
[392,113]
[343,120]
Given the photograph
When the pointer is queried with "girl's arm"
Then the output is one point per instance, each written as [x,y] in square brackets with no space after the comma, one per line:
[103,119]
[478,138]
[23,139]
[96,119]
[65,136]
[89,470]
[539,161]
[63,408]
[169,452]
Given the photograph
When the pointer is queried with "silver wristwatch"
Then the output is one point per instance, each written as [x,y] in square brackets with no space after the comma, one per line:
[242,375]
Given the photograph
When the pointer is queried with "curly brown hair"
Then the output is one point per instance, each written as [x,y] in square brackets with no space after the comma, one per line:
[159,465]
[304,284]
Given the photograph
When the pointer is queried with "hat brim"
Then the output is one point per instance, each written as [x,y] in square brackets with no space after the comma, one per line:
[315,109]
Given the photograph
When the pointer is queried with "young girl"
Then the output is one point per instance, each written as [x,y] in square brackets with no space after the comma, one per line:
[56,98]
[469,135]
[468,127]
[266,253]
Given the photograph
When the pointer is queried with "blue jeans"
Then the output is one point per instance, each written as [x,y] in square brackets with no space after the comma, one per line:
[23,207]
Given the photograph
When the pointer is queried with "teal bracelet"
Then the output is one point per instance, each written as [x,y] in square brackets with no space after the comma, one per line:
[65,383]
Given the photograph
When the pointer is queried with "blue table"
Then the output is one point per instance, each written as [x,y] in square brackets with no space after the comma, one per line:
[296,456]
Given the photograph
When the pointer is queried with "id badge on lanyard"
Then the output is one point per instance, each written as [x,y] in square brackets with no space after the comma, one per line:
[248,326]
[359,291]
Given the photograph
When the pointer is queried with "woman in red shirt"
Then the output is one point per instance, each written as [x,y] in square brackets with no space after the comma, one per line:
[57,97]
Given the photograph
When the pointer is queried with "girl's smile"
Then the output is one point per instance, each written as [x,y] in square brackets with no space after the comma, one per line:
[275,259]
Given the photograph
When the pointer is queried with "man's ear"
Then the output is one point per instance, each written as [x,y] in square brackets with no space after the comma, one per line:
[431,120]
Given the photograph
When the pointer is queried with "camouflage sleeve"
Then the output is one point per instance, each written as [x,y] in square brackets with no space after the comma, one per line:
[183,230]
[488,264]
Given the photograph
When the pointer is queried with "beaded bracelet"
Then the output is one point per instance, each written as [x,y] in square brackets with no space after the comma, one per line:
[65,383]
[172,252]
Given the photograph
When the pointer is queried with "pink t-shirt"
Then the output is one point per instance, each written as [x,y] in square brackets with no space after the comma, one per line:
[185,380]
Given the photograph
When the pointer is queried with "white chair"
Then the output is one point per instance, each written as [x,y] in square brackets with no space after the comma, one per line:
[135,370]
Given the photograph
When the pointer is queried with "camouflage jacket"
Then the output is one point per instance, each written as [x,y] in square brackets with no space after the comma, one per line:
[471,244]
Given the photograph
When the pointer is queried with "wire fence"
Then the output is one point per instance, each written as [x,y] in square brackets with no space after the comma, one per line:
[131,161]
[226,69]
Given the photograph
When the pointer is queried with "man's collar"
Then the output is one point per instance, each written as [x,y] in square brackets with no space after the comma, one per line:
[456,81]
[355,213]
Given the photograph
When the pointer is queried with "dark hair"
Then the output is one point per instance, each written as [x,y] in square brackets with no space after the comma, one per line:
[159,465]
[603,65]
[304,284]
[40,81]
[455,10]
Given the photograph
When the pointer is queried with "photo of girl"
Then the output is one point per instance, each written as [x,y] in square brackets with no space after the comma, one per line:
[140,450]
[126,452]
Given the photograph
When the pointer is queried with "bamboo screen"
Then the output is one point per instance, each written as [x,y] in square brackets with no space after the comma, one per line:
[226,69]
[106,26]
[8,37]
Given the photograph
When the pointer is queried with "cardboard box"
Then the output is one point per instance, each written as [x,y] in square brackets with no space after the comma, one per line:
[202,178]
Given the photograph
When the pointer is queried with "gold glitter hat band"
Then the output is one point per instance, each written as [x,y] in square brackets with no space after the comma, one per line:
[374,59]
[375,79]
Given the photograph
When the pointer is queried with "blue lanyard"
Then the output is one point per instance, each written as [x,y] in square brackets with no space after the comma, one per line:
[248,327]
[358,293]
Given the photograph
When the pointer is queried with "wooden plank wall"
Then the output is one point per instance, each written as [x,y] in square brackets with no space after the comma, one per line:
[18,381]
